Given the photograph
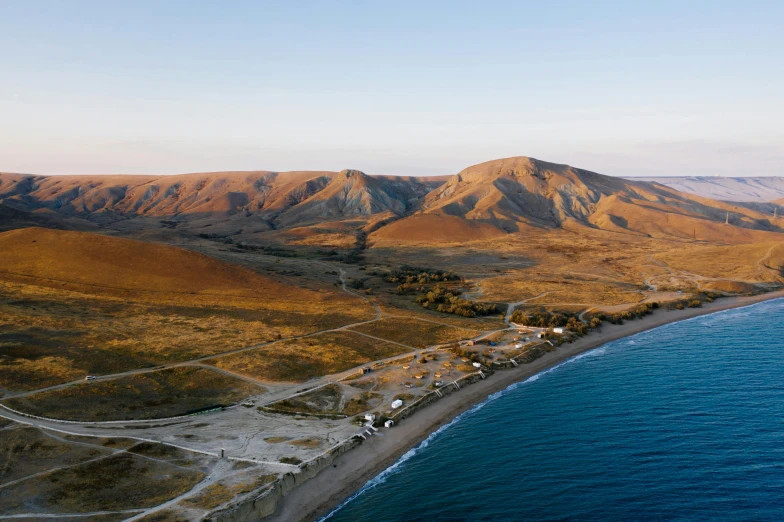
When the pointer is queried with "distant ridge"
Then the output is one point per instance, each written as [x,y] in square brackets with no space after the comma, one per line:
[758,189]
[510,195]
[522,194]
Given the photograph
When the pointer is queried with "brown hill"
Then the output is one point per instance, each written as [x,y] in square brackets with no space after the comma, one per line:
[515,194]
[259,200]
[327,208]
[95,262]
[12,218]
[438,228]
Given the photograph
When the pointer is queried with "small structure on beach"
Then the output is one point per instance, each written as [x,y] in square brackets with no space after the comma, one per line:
[397,403]
[559,330]
[389,423]
[370,417]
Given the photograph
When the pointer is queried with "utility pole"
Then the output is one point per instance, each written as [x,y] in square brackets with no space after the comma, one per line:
[727,221]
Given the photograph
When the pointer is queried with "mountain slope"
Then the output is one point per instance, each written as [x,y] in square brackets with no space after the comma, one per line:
[260,200]
[102,262]
[522,194]
[512,195]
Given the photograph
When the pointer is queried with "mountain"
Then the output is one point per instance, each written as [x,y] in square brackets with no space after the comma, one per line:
[224,202]
[757,189]
[512,195]
[522,194]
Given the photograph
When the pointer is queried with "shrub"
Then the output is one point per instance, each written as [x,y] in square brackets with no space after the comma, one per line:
[445,301]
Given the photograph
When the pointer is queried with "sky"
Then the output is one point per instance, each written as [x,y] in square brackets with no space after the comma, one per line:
[410,88]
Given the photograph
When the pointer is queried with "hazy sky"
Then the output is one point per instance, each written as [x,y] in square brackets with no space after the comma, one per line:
[626,88]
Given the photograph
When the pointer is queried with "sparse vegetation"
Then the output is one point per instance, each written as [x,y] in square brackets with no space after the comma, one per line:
[442,300]
[415,332]
[123,481]
[216,494]
[325,400]
[302,359]
[362,402]
[164,393]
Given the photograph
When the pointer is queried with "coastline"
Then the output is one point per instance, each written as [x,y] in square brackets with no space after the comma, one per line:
[324,492]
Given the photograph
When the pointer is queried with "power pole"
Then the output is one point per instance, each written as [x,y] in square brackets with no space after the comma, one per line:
[727,221]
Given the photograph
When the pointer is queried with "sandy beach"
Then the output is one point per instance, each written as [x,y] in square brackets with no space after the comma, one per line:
[351,471]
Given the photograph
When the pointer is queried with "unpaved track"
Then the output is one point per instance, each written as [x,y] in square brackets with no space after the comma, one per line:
[511,306]
[220,469]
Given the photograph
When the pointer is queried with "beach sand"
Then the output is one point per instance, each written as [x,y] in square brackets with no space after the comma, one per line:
[318,496]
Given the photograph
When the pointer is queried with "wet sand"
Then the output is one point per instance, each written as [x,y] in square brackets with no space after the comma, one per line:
[351,471]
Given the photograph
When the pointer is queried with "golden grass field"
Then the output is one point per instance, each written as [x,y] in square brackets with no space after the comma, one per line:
[302,359]
[55,330]
[414,332]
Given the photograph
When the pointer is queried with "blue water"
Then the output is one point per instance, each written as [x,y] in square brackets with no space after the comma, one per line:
[684,422]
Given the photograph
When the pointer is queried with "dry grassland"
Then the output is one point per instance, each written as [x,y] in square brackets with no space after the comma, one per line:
[562,289]
[591,267]
[165,393]
[74,303]
[122,481]
[302,359]
[224,491]
[52,336]
[323,400]
[756,262]
[25,451]
[327,400]
[413,332]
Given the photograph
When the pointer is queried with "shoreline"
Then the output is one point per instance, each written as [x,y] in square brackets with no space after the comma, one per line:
[351,471]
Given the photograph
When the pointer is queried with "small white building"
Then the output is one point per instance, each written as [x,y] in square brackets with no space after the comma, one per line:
[477,365]
[518,345]
[397,404]
[370,417]
[389,424]
[558,330]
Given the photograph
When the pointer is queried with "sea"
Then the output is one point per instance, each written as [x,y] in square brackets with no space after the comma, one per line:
[684,422]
